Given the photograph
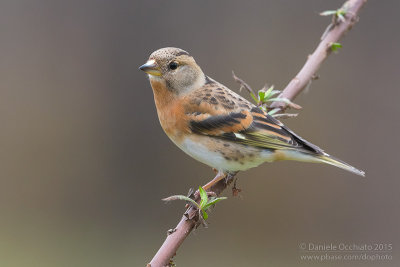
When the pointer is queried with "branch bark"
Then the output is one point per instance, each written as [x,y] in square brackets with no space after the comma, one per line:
[305,76]
[334,32]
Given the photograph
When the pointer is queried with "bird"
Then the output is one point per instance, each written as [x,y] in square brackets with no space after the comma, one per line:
[218,127]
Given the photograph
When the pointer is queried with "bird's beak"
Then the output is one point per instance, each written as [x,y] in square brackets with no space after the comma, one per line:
[150,67]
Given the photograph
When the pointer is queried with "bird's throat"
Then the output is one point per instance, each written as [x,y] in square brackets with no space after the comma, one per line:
[162,96]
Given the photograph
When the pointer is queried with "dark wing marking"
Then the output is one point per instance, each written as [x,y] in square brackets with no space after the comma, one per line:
[213,125]
[305,143]
[254,128]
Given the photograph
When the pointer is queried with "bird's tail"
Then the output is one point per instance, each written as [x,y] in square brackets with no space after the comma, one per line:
[340,164]
[319,158]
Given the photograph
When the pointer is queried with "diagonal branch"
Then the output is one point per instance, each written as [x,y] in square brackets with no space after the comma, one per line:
[332,35]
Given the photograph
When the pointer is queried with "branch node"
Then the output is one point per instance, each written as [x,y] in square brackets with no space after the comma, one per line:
[171,231]
[315,77]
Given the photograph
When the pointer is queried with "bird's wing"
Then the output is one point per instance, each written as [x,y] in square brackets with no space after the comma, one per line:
[251,127]
[216,111]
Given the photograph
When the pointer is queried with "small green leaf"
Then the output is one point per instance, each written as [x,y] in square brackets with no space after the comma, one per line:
[180,197]
[275,92]
[335,46]
[203,196]
[254,98]
[268,93]
[263,108]
[261,95]
[272,112]
[279,99]
[339,13]
[213,202]
[340,17]
[205,215]
[328,13]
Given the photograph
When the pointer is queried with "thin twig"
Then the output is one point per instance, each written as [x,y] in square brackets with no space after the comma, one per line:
[296,85]
[243,84]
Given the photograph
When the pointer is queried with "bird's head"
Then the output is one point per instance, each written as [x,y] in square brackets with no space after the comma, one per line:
[174,67]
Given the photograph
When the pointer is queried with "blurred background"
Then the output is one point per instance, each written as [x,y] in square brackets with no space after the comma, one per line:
[84,162]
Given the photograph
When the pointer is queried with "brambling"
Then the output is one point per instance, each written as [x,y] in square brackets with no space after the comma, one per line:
[218,127]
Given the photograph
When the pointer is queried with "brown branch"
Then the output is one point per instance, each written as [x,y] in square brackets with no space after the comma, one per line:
[189,220]
[332,35]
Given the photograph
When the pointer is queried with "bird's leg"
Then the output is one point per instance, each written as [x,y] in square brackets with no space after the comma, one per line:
[220,175]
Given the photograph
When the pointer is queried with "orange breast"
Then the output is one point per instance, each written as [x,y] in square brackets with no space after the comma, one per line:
[170,111]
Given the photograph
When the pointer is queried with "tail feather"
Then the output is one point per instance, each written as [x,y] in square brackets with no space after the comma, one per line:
[340,164]
[319,158]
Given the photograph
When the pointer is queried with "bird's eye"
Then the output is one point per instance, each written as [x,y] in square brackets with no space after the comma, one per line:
[173,65]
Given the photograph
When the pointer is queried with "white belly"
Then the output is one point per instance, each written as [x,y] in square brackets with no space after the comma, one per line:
[215,159]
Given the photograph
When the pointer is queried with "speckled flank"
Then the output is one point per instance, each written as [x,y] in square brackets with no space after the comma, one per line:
[223,155]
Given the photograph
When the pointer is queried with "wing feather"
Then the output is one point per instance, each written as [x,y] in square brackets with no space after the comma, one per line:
[217,112]
[255,128]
